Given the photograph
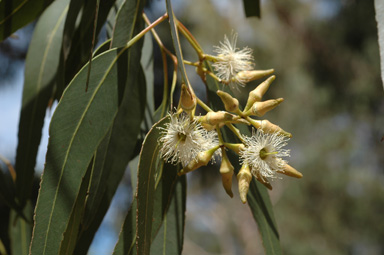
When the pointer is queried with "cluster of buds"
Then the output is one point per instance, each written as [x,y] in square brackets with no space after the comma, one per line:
[194,141]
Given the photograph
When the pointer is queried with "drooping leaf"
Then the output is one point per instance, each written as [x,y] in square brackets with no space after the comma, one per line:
[176,42]
[258,198]
[20,230]
[81,40]
[15,14]
[170,238]
[70,238]
[117,147]
[80,122]
[112,158]
[164,187]
[145,194]
[40,70]
[129,13]
[252,8]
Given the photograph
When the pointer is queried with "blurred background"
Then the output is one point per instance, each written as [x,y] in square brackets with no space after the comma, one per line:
[326,60]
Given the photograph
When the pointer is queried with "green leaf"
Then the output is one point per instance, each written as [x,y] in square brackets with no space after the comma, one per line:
[21,230]
[261,207]
[258,198]
[15,14]
[129,13]
[40,70]
[80,122]
[112,158]
[71,234]
[145,194]
[81,40]
[170,237]
[163,185]
[252,8]
[176,42]
[118,146]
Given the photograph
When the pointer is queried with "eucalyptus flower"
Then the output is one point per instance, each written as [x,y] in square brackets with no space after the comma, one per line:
[183,139]
[231,60]
[263,152]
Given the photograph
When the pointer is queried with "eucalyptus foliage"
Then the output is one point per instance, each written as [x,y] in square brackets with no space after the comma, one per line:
[97,129]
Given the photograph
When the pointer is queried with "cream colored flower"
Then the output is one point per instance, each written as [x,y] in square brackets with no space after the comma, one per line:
[231,60]
[182,139]
[263,152]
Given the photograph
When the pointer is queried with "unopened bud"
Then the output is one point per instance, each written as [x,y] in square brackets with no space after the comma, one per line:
[261,108]
[202,159]
[231,104]
[214,118]
[257,94]
[244,178]
[226,171]
[247,76]
[268,127]
[236,147]
[187,99]
[290,171]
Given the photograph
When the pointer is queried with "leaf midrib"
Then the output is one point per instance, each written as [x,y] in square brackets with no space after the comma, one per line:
[74,135]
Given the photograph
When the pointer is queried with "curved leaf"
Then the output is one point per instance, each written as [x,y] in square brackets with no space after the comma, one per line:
[145,193]
[128,14]
[176,42]
[80,122]
[40,70]
[21,230]
[159,200]
[15,14]
[169,239]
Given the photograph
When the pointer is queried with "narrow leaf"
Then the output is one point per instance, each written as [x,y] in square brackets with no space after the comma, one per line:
[21,230]
[164,186]
[129,13]
[71,234]
[146,188]
[111,160]
[81,40]
[15,14]
[118,146]
[252,8]
[40,70]
[176,42]
[169,239]
[78,125]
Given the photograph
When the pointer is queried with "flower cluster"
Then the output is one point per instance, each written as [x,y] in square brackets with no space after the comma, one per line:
[194,141]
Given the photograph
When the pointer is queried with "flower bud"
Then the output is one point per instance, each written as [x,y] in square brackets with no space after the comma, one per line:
[214,118]
[261,108]
[236,147]
[247,76]
[268,127]
[256,94]
[226,171]
[231,104]
[244,178]
[187,99]
[290,171]
[202,159]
